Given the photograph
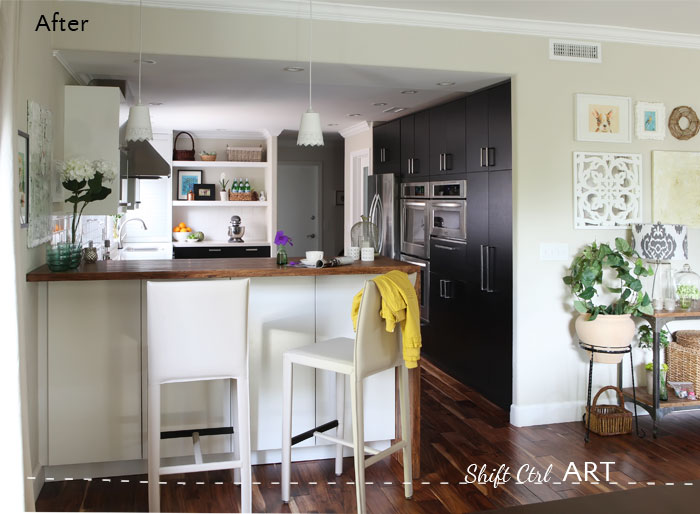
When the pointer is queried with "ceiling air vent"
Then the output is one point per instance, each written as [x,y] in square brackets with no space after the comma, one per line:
[580,51]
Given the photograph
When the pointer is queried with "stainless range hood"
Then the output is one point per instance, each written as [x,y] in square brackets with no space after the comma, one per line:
[139,161]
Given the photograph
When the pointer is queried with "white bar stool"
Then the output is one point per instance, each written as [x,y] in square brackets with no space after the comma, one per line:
[186,352]
[373,350]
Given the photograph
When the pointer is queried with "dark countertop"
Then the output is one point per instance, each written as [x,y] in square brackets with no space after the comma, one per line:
[208,268]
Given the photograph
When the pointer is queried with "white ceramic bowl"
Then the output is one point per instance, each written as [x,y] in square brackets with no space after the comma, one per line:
[180,236]
[314,256]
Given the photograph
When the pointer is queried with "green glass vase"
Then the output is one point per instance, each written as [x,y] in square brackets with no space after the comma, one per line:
[282,258]
[64,256]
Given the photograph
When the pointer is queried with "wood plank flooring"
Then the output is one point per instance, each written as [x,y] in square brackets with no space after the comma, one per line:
[459,428]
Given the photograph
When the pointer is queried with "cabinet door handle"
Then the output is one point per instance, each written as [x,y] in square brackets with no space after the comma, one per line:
[440,163]
[481,156]
[489,270]
[483,281]
[413,165]
[490,152]
[383,154]
[214,249]
[484,157]
[442,285]
[448,167]
[449,293]
[443,247]
[251,249]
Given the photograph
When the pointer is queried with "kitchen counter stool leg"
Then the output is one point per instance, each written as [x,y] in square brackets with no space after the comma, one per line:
[340,416]
[286,428]
[358,432]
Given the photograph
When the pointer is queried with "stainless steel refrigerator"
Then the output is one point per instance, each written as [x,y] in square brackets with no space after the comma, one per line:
[383,210]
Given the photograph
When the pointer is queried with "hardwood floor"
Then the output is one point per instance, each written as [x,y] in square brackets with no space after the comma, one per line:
[459,428]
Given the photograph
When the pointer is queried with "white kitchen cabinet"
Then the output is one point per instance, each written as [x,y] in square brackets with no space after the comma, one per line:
[94,371]
[91,131]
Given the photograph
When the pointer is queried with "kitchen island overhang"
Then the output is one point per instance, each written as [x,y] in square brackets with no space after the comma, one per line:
[289,306]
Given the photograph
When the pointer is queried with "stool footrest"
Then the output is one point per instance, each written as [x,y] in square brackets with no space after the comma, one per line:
[176,434]
[310,433]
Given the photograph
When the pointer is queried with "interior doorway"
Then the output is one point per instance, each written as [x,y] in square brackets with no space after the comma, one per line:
[358,185]
[299,205]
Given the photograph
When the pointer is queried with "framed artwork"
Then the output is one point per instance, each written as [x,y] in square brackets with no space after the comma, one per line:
[23,177]
[675,179]
[204,191]
[186,180]
[650,120]
[607,190]
[603,118]
[40,130]
[340,197]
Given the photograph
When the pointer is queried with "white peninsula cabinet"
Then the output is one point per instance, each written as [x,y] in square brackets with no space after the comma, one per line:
[96,352]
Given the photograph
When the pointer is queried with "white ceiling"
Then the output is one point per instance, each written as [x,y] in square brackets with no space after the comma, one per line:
[205,93]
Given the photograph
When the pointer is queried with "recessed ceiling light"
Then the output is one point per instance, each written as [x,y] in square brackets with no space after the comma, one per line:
[395,109]
[409,92]
[445,84]
[380,104]
[354,115]
[146,61]
[155,103]
[293,68]
[332,124]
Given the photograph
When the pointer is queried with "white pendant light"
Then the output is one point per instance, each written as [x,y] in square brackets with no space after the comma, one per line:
[138,127]
[310,125]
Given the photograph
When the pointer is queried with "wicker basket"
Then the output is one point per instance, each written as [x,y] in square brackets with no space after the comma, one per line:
[688,338]
[243,197]
[609,419]
[183,155]
[207,157]
[244,153]
[684,363]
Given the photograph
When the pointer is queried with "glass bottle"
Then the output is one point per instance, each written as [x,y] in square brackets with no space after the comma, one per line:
[234,187]
[282,256]
[365,233]
[687,288]
[247,186]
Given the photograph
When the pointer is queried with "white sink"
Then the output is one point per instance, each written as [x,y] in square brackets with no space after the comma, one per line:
[145,251]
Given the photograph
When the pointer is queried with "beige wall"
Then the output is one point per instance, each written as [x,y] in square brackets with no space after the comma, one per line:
[41,78]
[543,95]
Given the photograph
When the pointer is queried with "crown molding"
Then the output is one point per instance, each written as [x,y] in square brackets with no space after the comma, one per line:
[353,130]
[254,135]
[430,19]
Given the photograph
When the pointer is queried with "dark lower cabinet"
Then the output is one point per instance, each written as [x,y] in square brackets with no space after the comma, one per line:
[218,252]
[471,293]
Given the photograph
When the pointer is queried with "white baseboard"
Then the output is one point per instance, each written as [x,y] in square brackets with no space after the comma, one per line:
[548,413]
[139,466]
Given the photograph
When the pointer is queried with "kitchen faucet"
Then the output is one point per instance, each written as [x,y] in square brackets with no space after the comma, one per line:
[122,232]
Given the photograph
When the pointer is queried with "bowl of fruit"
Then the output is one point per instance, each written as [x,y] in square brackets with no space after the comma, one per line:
[180,232]
[195,237]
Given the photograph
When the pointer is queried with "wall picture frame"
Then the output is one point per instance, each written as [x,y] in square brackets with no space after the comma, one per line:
[603,118]
[186,180]
[204,191]
[650,120]
[23,177]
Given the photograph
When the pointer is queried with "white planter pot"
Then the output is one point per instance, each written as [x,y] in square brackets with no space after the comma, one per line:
[608,331]
[650,382]
[223,195]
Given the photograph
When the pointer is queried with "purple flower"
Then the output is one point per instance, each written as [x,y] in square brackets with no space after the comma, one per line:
[281,239]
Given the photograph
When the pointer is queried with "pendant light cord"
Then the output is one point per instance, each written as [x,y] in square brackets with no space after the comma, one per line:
[311,39]
[140,45]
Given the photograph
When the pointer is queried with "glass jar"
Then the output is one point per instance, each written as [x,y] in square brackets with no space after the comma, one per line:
[365,234]
[282,258]
[687,288]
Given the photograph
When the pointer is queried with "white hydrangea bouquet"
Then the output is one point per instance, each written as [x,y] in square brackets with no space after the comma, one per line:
[85,180]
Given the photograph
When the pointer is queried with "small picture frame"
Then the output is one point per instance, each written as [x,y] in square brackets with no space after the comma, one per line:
[23,177]
[204,191]
[650,120]
[340,197]
[186,180]
[603,118]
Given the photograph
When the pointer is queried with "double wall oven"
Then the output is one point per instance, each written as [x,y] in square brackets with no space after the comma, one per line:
[431,211]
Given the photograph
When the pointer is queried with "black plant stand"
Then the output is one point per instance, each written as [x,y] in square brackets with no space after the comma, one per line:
[607,350]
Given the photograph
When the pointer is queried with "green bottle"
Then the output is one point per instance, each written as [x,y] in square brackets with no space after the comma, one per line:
[247,186]
[234,187]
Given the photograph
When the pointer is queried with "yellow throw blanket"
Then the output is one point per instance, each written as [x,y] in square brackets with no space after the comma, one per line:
[399,305]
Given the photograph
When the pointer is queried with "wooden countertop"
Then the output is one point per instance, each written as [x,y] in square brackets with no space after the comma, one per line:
[208,268]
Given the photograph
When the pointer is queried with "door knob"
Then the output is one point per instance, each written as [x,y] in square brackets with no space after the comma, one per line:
[311,236]
[313,218]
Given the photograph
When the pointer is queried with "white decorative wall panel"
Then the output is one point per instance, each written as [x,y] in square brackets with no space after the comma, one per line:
[607,190]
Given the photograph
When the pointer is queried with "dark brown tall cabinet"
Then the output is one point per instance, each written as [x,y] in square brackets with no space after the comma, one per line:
[447,132]
[415,150]
[387,148]
[489,140]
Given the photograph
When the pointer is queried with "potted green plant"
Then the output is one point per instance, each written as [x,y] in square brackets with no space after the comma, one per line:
[611,325]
